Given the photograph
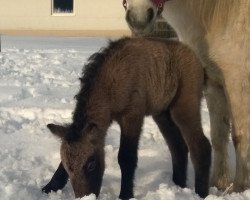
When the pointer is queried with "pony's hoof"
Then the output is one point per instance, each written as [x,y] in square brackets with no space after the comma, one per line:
[239,187]
[228,190]
[221,183]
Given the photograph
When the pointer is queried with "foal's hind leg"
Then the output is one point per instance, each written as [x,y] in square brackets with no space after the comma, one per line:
[127,157]
[58,181]
[176,145]
[186,114]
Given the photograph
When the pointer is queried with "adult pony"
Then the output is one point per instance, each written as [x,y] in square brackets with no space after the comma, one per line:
[219,32]
[124,82]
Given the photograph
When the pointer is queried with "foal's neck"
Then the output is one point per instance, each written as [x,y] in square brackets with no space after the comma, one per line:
[98,109]
[93,110]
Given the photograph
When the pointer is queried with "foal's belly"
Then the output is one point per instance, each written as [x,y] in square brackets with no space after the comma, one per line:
[159,100]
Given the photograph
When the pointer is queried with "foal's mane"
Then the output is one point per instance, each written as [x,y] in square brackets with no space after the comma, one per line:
[213,13]
[89,74]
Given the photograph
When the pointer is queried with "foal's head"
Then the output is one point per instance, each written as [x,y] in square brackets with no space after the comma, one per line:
[82,158]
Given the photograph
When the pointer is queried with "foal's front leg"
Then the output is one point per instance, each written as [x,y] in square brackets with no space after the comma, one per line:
[127,157]
[176,145]
[58,180]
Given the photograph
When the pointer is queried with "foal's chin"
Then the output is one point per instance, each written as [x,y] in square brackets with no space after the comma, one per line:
[81,194]
[81,190]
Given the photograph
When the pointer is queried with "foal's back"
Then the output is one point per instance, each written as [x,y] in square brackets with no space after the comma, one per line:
[149,72]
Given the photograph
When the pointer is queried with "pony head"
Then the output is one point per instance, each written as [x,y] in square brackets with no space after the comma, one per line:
[141,14]
[83,159]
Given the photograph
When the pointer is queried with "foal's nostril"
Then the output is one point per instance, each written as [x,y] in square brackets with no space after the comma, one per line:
[150,13]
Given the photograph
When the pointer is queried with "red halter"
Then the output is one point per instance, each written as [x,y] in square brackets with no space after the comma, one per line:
[159,4]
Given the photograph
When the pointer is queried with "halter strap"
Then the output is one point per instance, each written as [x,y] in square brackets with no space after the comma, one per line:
[159,4]
[124,3]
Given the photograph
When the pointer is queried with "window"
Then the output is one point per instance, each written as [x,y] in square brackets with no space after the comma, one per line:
[62,7]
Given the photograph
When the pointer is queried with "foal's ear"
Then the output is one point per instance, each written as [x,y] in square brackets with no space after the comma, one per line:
[59,131]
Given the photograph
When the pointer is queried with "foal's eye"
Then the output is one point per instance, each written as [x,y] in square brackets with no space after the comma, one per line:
[91,166]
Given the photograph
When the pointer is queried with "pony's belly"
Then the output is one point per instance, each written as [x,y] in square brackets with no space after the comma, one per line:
[230,54]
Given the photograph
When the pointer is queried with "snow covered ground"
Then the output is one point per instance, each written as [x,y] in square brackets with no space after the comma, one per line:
[38,80]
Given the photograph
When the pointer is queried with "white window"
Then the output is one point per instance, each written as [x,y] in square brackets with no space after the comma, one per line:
[62,7]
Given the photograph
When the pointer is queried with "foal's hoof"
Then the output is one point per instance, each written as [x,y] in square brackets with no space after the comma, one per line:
[48,188]
[126,196]
[52,186]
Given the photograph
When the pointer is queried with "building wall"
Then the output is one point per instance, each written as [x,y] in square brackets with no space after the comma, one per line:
[90,17]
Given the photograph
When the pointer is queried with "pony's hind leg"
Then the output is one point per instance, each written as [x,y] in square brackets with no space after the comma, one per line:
[58,180]
[238,90]
[186,114]
[127,156]
[176,145]
[220,128]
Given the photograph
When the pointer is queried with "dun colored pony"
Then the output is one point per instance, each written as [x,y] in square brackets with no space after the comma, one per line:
[126,81]
[219,32]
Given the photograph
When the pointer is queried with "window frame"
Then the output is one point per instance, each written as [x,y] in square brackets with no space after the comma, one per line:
[62,14]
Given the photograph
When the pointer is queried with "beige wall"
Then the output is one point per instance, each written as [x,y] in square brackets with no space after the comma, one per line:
[91,17]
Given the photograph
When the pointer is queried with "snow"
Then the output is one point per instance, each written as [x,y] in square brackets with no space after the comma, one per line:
[38,81]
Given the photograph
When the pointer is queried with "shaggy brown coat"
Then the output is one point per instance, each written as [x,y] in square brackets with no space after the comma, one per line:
[124,82]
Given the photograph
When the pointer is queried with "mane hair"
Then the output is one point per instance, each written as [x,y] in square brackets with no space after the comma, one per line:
[214,13]
[89,74]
